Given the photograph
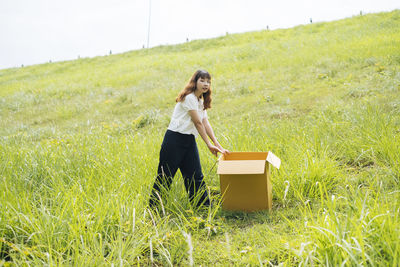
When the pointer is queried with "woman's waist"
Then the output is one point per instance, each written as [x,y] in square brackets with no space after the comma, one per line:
[179,134]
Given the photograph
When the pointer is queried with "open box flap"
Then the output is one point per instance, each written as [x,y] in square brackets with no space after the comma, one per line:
[241,167]
[274,160]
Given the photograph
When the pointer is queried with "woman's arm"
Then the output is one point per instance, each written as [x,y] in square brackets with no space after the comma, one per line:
[210,133]
[202,131]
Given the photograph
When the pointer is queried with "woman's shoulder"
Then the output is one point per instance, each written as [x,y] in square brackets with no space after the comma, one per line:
[191,96]
[190,102]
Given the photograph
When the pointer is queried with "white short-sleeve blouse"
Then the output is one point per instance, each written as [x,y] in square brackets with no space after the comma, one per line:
[181,121]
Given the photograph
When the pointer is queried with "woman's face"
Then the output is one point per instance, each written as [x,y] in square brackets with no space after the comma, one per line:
[203,85]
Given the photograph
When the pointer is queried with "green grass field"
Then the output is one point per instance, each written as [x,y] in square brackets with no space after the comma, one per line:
[79,144]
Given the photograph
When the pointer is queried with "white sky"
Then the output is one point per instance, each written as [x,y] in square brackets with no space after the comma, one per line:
[36,31]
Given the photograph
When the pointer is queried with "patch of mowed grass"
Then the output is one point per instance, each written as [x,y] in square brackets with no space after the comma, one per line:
[80,140]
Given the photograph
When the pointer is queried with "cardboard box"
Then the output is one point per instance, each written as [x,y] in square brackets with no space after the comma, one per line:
[245,180]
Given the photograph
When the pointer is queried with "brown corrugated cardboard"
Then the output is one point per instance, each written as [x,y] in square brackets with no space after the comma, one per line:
[245,180]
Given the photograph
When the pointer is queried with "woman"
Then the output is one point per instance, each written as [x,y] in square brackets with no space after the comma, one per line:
[179,149]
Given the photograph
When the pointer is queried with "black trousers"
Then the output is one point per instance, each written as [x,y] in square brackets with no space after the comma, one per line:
[179,151]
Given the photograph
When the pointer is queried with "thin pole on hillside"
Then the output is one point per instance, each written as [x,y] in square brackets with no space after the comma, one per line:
[148,29]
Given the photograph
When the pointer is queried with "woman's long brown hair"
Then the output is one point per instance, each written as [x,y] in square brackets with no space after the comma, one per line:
[191,87]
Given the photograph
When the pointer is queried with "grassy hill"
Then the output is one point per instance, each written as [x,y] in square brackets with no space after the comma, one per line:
[79,144]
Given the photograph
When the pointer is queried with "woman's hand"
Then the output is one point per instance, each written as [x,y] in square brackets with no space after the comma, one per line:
[224,151]
[214,150]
